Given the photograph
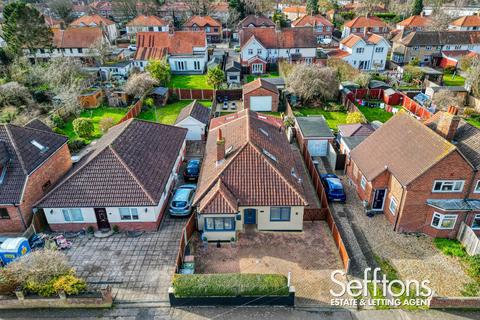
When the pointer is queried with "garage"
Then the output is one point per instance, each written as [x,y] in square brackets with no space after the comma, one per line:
[194,118]
[318,148]
[261,103]
[315,134]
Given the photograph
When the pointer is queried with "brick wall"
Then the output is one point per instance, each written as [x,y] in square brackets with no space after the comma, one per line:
[52,170]
[260,92]
[455,302]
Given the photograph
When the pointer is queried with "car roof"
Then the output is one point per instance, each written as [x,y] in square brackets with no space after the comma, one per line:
[334,183]
[182,194]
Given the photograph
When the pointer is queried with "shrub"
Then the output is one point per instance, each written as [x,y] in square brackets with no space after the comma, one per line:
[355,117]
[75,145]
[106,123]
[468,111]
[69,284]
[449,69]
[90,229]
[172,98]
[8,282]
[474,268]
[115,228]
[83,127]
[58,121]
[229,285]
[450,247]
[148,102]
[414,62]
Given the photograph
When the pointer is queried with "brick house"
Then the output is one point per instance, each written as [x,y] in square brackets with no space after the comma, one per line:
[125,180]
[429,186]
[322,28]
[32,160]
[212,27]
[260,95]
[230,197]
[361,25]
[143,23]
[414,23]
[255,21]
[97,21]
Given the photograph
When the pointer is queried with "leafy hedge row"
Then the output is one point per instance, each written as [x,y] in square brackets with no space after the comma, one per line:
[229,285]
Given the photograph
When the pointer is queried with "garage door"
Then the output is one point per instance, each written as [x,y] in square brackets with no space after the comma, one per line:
[261,103]
[194,132]
[318,148]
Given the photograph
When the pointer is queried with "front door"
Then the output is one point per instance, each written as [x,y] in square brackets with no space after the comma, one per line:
[250,216]
[102,218]
[378,199]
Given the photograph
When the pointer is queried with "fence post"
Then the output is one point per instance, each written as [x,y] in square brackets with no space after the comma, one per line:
[289,278]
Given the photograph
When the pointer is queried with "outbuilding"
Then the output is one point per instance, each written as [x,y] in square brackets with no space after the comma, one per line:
[315,134]
[194,118]
[260,95]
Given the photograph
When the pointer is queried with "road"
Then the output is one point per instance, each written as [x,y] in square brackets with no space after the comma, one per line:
[234,313]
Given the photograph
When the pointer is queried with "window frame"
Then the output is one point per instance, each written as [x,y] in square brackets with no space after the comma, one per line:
[4,215]
[393,201]
[70,215]
[475,217]
[281,218]
[448,181]
[214,223]
[131,214]
[477,187]
[441,217]
[363,182]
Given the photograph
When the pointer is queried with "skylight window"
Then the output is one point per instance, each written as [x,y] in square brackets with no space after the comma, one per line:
[228,151]
[40,146]
[268,154]
[262,117]
[264,132]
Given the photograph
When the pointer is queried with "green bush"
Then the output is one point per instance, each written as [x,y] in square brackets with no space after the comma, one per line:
[468,111]
[474,266]
[75,145]
[172,98]
[83,127]
[229,285]
[450,247]
[42,289]
[58,121]
[449,70]
[355,117]
[69,284]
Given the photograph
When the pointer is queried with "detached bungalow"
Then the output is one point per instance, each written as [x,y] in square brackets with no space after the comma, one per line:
[125,180]
[250,178]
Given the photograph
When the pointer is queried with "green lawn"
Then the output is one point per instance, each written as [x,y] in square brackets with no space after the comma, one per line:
[95,115]
[333,118]
[168,114]
[252,77]
[373,114]
[450,80]
[189,82]
[473,121]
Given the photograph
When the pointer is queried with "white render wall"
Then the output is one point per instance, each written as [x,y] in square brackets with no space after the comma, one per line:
[272,54]
[368,54]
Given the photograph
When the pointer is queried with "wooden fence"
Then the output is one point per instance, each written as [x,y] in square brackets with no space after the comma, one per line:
[469,239]
[133,111]
[192,94]
[187,232]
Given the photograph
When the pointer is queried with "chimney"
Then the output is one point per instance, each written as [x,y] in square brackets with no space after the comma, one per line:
[448,123]
[220,147]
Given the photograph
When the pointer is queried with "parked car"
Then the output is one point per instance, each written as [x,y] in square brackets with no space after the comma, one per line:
[192,171]
[181,203]
[132,47]
[333,187]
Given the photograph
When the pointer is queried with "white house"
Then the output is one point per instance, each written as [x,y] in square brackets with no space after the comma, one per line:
[95,20]
[125,180]
[195,118]
[186,51]
[143,23]
[364,53]
[467,23]
[117,69]
[259,46]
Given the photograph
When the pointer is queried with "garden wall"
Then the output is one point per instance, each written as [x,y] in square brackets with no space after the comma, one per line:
[192,94]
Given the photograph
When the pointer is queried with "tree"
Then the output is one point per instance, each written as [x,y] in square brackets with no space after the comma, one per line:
[312,7]
[200,7]
[363,79]
[472,78]
[237,10]
[411,73]
[313,81]
[160,70]
[25,27]
[215,77]
[83,127]
[279,18]
[101,50]
[355,117]
[63,9]
[417,7]
[345,72]
[439,21]
[139,84]
[445,98]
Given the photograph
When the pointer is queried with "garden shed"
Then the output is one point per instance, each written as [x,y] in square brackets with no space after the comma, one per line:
[159,95]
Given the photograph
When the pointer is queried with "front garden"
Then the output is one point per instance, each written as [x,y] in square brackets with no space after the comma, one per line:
[168,114]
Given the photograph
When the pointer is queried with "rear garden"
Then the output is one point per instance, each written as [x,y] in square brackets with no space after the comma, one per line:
[189,81]
[251,77]
[168,114]
[450,79]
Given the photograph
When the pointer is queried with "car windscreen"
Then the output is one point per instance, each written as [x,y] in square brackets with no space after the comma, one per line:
[179,204]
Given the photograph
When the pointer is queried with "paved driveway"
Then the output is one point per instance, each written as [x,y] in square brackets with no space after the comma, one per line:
[139,269]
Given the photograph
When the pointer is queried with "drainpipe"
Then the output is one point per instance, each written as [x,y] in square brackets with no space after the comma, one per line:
[400,208]
[21,216]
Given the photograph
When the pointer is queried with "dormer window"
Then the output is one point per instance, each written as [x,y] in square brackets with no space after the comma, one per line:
[40,146]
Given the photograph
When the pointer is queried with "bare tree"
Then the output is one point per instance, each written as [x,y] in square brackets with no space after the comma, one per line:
[259,6]
[313,81]
[472,78]
[62,8]
[439,21]
[200,7]
[101,50]
[445,98]
[139,83]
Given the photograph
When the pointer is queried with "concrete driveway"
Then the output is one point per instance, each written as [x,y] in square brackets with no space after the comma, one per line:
[139,269]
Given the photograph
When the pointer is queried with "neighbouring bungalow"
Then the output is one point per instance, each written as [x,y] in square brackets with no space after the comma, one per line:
[95,20]
[144,23]
[255,21]
[260,95]
[32,160]
[423,177]
[186,51]
[231,197]
[195,118]
[212,27]
[125,180]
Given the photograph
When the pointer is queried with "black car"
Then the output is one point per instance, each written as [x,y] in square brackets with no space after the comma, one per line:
[192,171]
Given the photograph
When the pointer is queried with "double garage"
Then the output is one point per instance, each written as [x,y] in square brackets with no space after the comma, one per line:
[260,95]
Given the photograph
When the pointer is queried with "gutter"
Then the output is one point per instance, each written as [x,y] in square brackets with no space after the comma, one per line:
[21,216]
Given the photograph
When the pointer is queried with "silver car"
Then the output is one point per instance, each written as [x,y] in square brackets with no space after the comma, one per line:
[181,202]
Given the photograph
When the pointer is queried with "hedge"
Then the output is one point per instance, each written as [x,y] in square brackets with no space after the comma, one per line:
[229,285]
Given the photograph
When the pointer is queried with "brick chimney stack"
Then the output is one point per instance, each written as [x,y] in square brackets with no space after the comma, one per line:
[220,147]
[448,123]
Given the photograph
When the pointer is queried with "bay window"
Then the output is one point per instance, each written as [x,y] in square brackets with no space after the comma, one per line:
[443,221]
[219,224]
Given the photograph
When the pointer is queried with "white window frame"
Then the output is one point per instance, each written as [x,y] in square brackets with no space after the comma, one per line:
[68,213]
[475,217]
[360,50]
[394,204]
[363,182]
[250,51]
[379,50]
[477,187]
[132,213]
[441,218]
[452,182]
[257,67]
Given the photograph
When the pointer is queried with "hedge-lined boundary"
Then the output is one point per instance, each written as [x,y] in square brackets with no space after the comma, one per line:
[230,285]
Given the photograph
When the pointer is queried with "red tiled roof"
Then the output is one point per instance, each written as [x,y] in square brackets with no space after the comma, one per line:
[338,53]
[257,21]
[219,200]
[295,9]
[362,22]
[202,22]
[415,21]
[76,37]
[259,83]
[285,38]
[91,21]
[308,20]
[468,21]
[352,39]
[258,167]
[147,21]
[147,53]
[180,42]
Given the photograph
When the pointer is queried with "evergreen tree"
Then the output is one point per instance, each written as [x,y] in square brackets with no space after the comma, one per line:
[417,7]
[312,7]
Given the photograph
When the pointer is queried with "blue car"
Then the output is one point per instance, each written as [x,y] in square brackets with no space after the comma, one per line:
[333,187]
[181,203]
[192,171]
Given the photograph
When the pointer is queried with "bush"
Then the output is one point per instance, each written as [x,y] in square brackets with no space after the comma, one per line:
[474,268]
[69,284]
[115,228]
[449,69]
[468,111]
[75,145]
[148,102]
[106,123]
[8,282]
[450,247]
[172,98]
[229,285]
[83,127]
[58,121]
[355,117]
[414,62]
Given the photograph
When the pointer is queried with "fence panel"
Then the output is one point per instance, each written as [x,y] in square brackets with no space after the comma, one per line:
[469,239]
